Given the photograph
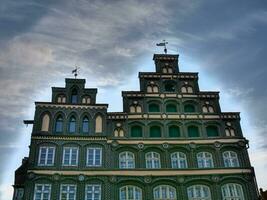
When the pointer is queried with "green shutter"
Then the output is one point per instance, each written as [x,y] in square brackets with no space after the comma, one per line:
[153,108]
[136,131]
[189,108]
[174,131]
[212,131]
[171,108]
[193,131]
[155,131]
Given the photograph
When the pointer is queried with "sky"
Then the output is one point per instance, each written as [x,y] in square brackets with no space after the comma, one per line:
[111,41]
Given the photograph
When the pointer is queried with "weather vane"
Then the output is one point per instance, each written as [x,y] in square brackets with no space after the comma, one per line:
[75,71]
[163,43]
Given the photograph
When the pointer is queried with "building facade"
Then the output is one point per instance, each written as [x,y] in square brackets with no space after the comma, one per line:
[171,142]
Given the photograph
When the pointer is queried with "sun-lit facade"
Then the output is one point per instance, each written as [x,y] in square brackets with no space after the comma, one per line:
[171,142]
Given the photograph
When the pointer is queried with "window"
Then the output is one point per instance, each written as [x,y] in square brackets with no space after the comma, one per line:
[42,191]
[93,192]
[230,132]
[204,160]
[135,109]
[67,192]
[119,132]
[72,125]
[46,156]
[45,122]
[74,96]
[152,89]
[86,100]
[98,124]
[174,131]
[94,157]
[155,131]
[198,192]
[187,89]
[169,87]
[189,108]
[70,156]
[164,192]
[126,160]
[152,160]
[193,131]
[171,108]
[208,109]
[212,131]
[153,108]
[232,191]
[136,131]
[130,192]
[61,98]
[178,160]
[59,124]
[85,125]
[230,159]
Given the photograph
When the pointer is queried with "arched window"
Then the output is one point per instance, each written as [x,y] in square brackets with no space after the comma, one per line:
[169,87]
[208,109]
[61,98]
[155,131]
[193,131]
[135,109]
[85,125]
[212,131]
[153,107]
[136,131]
[189,108]
[72,125]
[98,124]
[230,131]
[178,160]
[59,124]
[74,96]
[164,192]
[204,160]
[230,159]
[152,160]
[118,132]
[130,192]
[232,191]
[152,89]
[174,131]
[198,192]
[45,122]
[187,89]
[171,108]
[86,100]
[126,160]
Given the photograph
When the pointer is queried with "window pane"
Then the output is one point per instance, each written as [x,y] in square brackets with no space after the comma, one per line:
[171,108]
[212,131]
[189,108]
[72,125]
[174,131]
[59,125]
[193,131]
[136,131]
[153,108]
[155,131]
[85,125]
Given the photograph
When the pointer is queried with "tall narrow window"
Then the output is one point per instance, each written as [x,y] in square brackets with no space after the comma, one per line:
[204,160]
[198,192]
[94,157]
[178,160]
[155,131]
[85,125]
[72,125]
[70,156]
[153,107]
[230,159]
[189,108]
[171,108]
[174,131]
[212,131]
[136,131]
[126,160]
[59,124]
[98,124]
[130,192]
[232,191]
[42,192]
[74,96]
[164,192]
[67,192]
[45,122]
[46,156]
[93,192]
[152,160]
[193,131]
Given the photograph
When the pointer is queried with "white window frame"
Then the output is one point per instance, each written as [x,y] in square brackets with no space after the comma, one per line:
[232,189]
[196,192]
[178,158]
[135,189]
[70,158]
[205,159]
[94,158]
[46,156]
[231,159]
[68,190]
[93,191]
[168,189]
[42,191]
[153,159]
[127,160]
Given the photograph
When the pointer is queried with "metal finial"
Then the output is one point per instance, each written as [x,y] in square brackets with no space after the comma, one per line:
[75,71]
[163,44]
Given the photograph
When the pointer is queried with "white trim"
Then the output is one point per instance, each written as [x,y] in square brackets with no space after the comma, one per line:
[127,153]
[94,159]
[42,185]
[93,190]
[68,190]
[71,151]
[46,155]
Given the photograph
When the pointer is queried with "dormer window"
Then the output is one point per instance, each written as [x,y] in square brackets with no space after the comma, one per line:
[61,98]
[74,96]
[86,100]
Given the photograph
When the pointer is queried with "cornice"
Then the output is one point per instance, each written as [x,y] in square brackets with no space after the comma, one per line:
[70,106]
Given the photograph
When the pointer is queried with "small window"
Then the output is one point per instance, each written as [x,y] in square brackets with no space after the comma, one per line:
[174,131]
[85,125]
[208,109]
[93,192]
[136,131]
[230,132]
[70,156]
[204,160]
[198,192]
[169,87]
[67,192]
[171,108]
[86,100]
[42,192]
[189,108]
[155,131]
[212,131]
[193,131]
[98,124]
[61,98]
[178,160]
[230,159]
[187,89]
[153,107]
[232,191]
[45,122]
[135,109]
[46,156]
[59,124]
[74,96]
[164,192]
[94,157]
[130,192]
[152,160]
[72,125]
[126,160]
